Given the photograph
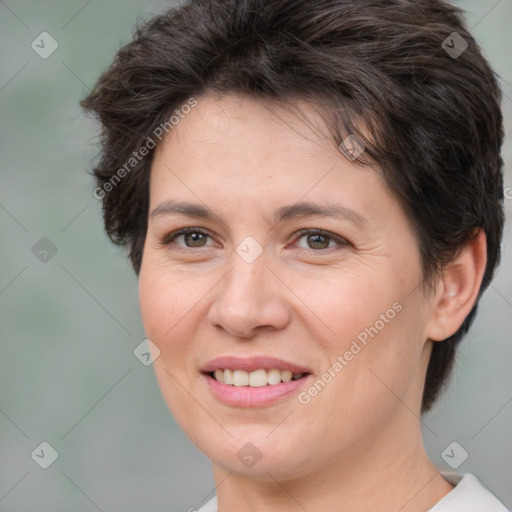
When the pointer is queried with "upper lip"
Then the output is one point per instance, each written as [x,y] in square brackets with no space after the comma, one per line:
[250,364]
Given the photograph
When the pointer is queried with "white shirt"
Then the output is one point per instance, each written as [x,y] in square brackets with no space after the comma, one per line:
[468,495]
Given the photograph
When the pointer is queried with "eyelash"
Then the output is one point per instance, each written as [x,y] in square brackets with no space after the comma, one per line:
[168,239]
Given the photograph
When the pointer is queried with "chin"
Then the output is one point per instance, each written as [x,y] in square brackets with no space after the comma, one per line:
[252,452]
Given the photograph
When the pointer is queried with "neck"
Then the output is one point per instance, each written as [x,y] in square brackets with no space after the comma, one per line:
[384,471]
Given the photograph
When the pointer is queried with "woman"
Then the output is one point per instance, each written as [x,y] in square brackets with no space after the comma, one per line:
[311,194]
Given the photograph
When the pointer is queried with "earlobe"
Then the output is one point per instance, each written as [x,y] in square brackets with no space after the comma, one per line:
[458,288]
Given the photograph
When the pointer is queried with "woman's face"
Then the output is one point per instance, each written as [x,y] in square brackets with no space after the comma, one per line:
[265,288]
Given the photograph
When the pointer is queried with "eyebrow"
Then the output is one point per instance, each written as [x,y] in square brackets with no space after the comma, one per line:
[294,211]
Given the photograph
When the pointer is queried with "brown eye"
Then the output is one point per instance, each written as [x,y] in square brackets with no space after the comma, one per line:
[192,237]
[318,240]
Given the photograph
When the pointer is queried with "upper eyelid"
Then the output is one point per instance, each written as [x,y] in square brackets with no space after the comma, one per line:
[340,240]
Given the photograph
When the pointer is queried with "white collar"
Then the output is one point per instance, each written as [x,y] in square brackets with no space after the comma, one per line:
[468,495]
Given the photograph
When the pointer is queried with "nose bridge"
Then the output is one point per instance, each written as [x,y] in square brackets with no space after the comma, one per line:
[246,298]
[244,288]
[248,263]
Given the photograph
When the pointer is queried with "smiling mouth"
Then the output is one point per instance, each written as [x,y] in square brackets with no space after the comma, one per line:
[255,379]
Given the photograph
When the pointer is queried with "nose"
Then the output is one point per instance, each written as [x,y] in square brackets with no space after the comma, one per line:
[249,300]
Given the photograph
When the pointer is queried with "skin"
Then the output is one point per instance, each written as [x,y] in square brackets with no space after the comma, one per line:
[357,445]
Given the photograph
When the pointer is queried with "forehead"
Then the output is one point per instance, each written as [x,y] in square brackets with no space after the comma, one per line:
[232,149]
[232,122]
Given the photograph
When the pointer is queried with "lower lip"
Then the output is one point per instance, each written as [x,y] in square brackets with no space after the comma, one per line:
[245,396]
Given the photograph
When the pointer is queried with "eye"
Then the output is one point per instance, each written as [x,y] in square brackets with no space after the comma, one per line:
[193,237]
[319,240]
[316,239]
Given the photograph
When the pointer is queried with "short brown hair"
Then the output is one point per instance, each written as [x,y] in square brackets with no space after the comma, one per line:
[383,68]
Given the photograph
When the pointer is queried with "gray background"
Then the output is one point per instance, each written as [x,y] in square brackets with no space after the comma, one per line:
[69,326]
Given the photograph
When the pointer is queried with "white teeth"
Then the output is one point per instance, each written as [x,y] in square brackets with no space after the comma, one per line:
[240,378]
[274,376]
[228,377]
[286,376]
[255,379]
[258,378]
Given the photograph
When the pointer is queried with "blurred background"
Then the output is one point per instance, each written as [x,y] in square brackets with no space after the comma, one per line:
[69,318]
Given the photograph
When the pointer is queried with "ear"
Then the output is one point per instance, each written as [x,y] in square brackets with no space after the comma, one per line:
[458,289]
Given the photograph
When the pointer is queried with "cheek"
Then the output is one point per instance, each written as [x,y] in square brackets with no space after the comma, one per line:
[168,314]
[381,368]
[373,345]
[167,307]
[347,304]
